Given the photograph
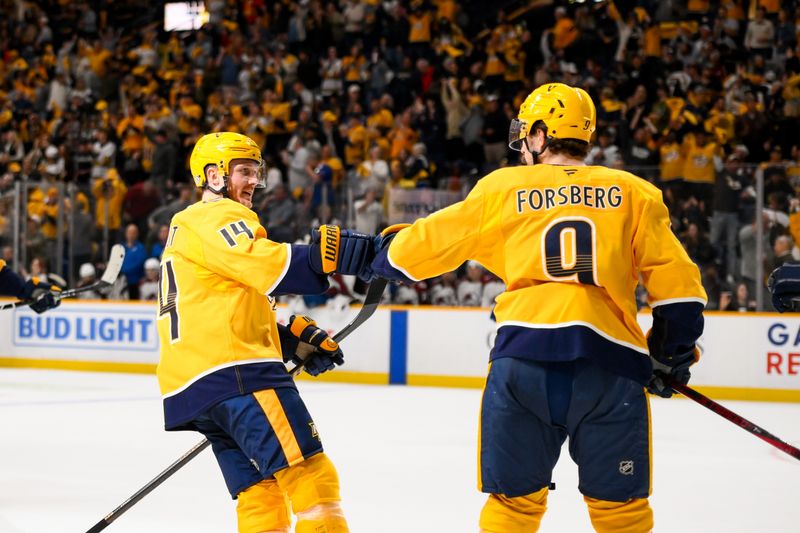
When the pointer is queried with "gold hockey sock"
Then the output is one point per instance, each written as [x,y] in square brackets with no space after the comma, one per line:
[263,507]
[322,518]
[522,514]
[633,516]
[313,488]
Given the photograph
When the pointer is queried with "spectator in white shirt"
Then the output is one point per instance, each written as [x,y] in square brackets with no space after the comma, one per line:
[491,290]
[443,290]
[369,213]
[104,151]
[470,289]
[148,287]
[374,172]
[760,35]
[605,152]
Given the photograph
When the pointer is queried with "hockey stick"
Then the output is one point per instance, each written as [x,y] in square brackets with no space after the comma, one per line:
[371,301]
[113,267]
[740,421]
[144,491]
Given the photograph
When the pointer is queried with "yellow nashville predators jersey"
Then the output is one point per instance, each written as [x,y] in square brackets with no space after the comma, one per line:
[216,324]
[571,244]
[699,163]
[671,161]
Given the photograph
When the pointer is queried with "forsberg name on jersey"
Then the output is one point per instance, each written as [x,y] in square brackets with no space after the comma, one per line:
[609,197]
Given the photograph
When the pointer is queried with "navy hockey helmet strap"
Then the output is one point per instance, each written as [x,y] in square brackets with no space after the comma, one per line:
[222,191]
[538,125]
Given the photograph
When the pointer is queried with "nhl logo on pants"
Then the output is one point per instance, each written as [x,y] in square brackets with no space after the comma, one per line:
[626,468]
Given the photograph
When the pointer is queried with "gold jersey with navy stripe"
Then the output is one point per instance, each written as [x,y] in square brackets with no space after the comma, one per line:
[216,324]
[570,244]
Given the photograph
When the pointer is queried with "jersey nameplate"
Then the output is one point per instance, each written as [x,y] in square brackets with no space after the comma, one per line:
[567,195]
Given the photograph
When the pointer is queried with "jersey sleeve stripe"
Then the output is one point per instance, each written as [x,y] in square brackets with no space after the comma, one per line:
[669,301]
[284,271]
[397,267]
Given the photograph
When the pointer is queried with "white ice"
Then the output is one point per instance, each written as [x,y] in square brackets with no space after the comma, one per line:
[76,445]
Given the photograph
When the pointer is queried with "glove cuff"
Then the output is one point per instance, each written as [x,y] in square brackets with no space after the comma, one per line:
[394,228]
[299,323]
[289,343]
[329,243]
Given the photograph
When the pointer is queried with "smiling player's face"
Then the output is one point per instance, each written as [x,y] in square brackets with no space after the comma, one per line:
[242,182]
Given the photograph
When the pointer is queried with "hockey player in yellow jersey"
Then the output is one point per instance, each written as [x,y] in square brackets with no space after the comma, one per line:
[570,242]
[221,369]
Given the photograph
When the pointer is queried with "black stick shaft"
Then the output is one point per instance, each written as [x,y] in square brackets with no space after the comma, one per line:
[740,421]
[371,301]
[147,489]
[69,293]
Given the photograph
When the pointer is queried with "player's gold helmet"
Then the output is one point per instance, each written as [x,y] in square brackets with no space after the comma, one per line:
[220,149]
[567,112]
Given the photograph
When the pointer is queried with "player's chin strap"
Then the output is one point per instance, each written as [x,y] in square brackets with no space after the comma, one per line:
[222,191]
[533,152]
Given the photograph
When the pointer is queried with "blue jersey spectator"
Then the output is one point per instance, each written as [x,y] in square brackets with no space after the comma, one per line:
[158,247]
[135,256]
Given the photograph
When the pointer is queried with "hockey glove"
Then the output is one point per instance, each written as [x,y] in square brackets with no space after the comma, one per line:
[302,342]
[343,251]
[44,296]
[383,240]
[675,367]
[784,285]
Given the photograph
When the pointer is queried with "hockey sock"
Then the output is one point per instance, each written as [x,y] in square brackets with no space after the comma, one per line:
[313,488]
[263,507]
[633,516]
[522,514]
[322,518]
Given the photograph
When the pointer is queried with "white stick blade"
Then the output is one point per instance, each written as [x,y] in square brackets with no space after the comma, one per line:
[114,264]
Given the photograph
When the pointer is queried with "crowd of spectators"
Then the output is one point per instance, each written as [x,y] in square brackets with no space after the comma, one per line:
[351,99]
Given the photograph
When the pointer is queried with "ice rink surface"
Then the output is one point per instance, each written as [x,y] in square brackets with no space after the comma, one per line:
[76,445]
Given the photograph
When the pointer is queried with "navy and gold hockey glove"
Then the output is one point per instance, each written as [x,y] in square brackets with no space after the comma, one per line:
[340,250]
[44,296]
[674,367]
[303,342]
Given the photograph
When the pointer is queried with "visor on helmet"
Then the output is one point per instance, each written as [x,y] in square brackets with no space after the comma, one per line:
[516,133]
[261,173]
[262,176]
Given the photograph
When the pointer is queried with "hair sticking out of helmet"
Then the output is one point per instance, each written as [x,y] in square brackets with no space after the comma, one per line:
[220,149]
[564,112]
